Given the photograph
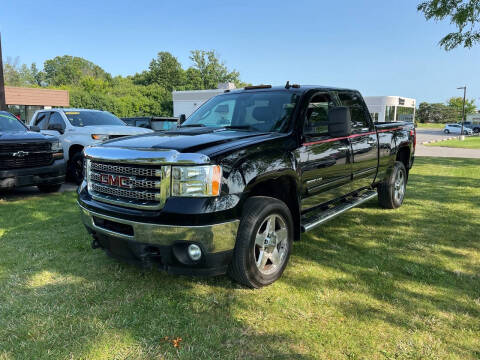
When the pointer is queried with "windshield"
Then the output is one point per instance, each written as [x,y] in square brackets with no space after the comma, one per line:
[8,122]
[257,111]
[92,118]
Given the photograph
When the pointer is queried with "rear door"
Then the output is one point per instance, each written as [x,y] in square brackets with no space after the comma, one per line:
[363,140]
[324,161]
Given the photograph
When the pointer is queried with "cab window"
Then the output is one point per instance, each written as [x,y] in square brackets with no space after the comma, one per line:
[42,120]
[56,119]
[359,116]
[316,115]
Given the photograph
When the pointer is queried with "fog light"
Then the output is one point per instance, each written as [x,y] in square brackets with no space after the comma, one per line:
[194,252]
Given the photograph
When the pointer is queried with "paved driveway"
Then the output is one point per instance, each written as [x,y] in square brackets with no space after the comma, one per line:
[424,135]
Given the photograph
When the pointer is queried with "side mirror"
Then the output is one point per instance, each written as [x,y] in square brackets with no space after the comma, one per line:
[182,119]
[56,127]
[34,128]
[339,122]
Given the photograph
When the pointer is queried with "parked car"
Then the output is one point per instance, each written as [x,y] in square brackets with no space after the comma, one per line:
[29,158]
[155,123]
[474,126]
[241,179]
[457,129]
[78,128]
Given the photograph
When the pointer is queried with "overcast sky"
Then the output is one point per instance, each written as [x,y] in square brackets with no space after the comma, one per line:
[379,47]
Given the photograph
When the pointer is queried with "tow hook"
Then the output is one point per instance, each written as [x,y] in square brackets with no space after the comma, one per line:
[95,244]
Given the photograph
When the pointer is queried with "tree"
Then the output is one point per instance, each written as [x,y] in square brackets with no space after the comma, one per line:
[464,14]
[22,75]
[211,70]
[165,71]
[457,104]
[67,70]
[436,113]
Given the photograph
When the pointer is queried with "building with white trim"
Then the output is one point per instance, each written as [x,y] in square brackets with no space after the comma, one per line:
[391,108]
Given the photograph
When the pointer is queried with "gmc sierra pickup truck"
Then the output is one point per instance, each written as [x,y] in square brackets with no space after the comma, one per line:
[28,158]
[231,188]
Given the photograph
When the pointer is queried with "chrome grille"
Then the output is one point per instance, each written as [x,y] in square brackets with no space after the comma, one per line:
[126,170]
[138,195]
[131,182]
[129,185]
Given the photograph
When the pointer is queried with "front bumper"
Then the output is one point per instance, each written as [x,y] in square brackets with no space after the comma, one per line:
[45,175]
[162,245]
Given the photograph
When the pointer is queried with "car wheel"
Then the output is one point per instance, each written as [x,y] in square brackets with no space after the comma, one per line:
[446,131]
[264,242]
[391,192]
[49,188]
[75,168]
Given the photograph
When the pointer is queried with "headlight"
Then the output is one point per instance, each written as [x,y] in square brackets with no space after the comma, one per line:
[99,137]
[56,146]
[196,180]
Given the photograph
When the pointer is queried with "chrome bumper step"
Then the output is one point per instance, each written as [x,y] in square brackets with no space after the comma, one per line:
[312,221]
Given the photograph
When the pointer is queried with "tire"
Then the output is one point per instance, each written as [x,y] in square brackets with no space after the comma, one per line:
[251,245]
[75,168]
[391,192]
[49,188]
[446,131]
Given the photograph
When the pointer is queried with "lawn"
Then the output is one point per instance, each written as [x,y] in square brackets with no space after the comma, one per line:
[468,143]
[430,125]
[371,284]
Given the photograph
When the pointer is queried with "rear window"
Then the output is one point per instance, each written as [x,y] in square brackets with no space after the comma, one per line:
[92,118]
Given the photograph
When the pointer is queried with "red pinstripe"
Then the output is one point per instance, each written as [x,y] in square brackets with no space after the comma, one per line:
[349,137]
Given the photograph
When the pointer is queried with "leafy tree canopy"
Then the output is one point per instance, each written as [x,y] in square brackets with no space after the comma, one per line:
[211,70]
[148,93]
[68,70]
[457,104]
[464,14]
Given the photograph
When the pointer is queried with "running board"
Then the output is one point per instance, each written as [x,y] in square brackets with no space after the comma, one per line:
[324,216]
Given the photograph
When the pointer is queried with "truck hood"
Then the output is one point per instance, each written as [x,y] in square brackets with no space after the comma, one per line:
[113,130]
[205,140]
[23,136]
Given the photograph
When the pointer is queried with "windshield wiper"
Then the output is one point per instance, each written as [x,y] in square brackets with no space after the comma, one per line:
[192,125]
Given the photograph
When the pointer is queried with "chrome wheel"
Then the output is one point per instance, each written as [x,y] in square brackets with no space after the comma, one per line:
[271,245]
[399,186]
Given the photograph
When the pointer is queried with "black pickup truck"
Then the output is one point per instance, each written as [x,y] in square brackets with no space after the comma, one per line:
[28,158]
[241,179]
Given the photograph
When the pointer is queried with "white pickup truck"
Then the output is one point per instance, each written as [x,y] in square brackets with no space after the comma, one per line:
[77,128]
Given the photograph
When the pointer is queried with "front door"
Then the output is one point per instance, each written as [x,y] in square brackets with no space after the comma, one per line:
[324,161]
[363,141]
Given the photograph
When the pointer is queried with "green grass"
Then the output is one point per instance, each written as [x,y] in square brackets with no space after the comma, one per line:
[430,125]
[468,143]
[371,284]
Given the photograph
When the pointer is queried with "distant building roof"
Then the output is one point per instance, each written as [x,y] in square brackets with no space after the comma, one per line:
[35,96]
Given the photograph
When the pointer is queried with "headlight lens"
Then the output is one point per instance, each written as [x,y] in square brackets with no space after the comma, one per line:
[99,137]
[56,146]
[196,180]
